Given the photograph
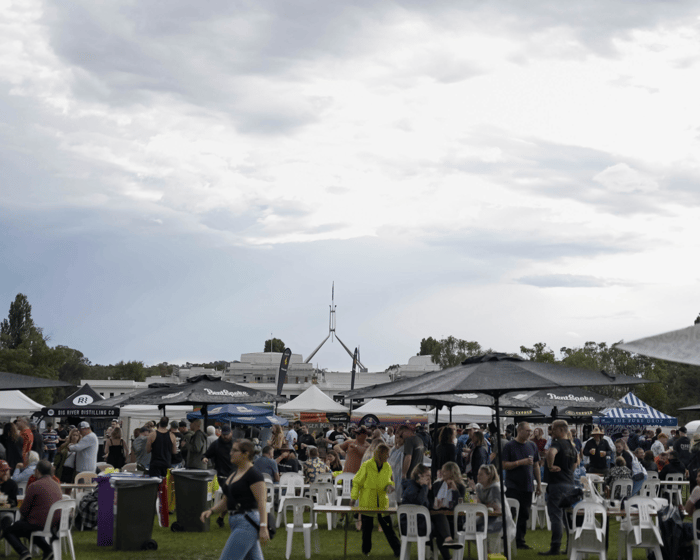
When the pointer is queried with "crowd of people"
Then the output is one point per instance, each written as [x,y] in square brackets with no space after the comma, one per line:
[389,466]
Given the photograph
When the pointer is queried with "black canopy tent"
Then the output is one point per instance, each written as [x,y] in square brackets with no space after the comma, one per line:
[495,375]
[84,403]
[199,390]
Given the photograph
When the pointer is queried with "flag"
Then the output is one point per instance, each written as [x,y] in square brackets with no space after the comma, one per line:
[354,369]
[282,373]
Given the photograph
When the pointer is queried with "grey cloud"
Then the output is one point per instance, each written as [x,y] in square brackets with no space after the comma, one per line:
[565,281]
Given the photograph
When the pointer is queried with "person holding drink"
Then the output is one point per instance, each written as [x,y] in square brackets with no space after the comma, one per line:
[521,463]
[419,491]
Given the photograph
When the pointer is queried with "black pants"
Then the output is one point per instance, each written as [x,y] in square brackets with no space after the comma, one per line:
[387,527]
[22,529]
[525,500]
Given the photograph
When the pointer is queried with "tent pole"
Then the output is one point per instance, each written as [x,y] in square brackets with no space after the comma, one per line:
[500,477]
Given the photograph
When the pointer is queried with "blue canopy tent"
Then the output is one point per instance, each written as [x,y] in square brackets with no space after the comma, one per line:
[643,415]
[240,414]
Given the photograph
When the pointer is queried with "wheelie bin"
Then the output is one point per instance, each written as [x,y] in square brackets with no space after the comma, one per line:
[191,499]
[135,505]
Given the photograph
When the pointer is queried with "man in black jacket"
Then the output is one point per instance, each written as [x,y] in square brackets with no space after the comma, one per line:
[219,454]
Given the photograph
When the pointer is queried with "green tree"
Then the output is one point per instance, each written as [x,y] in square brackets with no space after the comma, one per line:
[539,353]
[74,368]
[428,346]
[19,326]
[130,370]
[453,351]
[274,345]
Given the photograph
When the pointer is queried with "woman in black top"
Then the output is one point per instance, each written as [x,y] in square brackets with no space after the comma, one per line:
[245,495]
[444,451]
[480,454]
[12,442]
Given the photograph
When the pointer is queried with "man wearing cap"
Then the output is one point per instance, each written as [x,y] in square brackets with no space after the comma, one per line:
[38,500]
[412,450]
[597,450]
[219,454]
[85,449]
[305,440]
[521,463]
[162,445]
[141,454]
[354,450]
[682,446]
[195,445]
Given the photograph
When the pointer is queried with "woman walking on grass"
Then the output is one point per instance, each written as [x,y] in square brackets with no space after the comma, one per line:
[244,498]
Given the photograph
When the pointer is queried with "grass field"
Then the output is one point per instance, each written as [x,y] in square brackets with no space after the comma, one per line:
[208,546]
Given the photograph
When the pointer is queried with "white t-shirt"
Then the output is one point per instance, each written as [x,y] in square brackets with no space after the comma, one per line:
[291,438]
[657,447]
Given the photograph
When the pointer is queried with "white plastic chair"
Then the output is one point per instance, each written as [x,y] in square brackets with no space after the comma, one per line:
[129,467]
[674,492]
[620,489]
[268,478]
[653,474]
[589,536]
[66,509]
[270,498]
[696,535]
[650,489]
[299,505]
[514,506]
[344,480]
[641,530]
[323,493]
[324,477]
[289,484]
[471,513]
[103,465]
[411,514]
[539,510]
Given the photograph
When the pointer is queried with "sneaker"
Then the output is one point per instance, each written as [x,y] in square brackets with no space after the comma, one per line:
[523,546]
[220,522]
[451,545]
[28,556]
[551,552]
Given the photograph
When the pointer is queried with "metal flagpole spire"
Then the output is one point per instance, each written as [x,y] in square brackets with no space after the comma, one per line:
[332,334]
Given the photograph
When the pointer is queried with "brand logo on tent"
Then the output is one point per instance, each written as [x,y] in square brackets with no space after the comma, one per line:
[50,412]
[172,396]
[82,400]
[226,393]
[569,398]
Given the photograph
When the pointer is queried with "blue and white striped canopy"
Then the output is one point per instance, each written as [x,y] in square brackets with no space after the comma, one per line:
[642,415]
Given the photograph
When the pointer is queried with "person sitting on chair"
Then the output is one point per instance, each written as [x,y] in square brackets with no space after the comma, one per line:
[619,472]
[38,500]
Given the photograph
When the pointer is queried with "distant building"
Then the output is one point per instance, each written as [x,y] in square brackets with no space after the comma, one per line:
[259,370]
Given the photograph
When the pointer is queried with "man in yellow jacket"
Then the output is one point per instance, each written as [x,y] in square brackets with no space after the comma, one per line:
[369,487]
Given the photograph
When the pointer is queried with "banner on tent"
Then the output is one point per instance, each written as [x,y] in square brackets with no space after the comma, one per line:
[324,417]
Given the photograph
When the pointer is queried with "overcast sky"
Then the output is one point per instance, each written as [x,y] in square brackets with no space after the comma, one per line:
[179,180]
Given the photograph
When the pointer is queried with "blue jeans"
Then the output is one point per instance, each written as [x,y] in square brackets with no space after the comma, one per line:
[637,485]
[555,493]
[243,543]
